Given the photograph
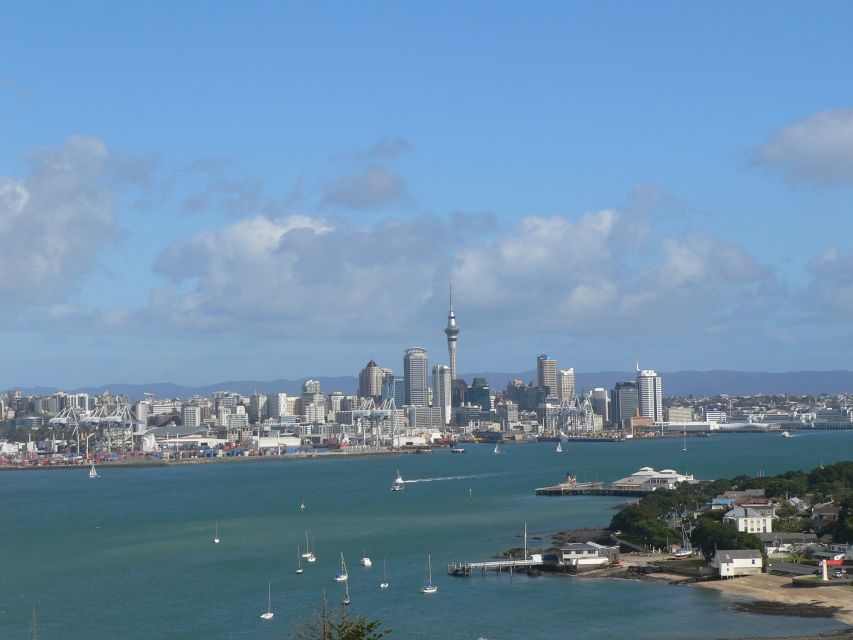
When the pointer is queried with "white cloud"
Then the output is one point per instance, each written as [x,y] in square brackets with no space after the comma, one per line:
[372,187]
[306,276]
[54,221]
[818,148]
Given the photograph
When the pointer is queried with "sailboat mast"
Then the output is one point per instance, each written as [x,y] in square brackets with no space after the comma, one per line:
[525,541]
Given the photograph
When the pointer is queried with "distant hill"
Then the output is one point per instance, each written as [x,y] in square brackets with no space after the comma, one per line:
[678,383]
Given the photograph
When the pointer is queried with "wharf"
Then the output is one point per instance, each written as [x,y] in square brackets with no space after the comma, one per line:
[593,489]
[499,566]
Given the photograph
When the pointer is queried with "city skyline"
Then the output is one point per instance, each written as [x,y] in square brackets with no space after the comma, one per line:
[279,207]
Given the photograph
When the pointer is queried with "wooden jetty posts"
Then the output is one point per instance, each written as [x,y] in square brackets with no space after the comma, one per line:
[593,489]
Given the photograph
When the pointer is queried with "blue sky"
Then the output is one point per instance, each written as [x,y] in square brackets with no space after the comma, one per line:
[203,191]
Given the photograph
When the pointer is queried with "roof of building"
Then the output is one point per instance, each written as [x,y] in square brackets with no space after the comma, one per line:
[580,546]
[744,512]
[728,555]
[784,536]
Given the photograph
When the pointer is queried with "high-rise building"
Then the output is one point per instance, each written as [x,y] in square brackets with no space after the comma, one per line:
[566,383]
[624,402]
[258,407]
[370,380]
[451,331]
[191,416]
[312,402]
[601,404]
[651,394]
[277,405]
[546,375]
[480,393]
[416,375]
[441,390]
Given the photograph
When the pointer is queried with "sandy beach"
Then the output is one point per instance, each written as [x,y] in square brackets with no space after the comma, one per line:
[770,588]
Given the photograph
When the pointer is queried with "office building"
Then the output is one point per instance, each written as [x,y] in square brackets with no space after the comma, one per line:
[441,390]
[370,381]
[651,394]
[566,383]
[546,375]
[601,405]
[480,393]
[416,375]
[624,403]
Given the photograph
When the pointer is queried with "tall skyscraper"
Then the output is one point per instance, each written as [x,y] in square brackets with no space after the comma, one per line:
[601,404]
[651,394]
[441,390]
[416,375]
[546,375]
[625,401]
[451,331]
[566,383]
[370,381]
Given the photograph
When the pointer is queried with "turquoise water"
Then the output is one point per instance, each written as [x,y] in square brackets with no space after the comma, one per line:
[130,555]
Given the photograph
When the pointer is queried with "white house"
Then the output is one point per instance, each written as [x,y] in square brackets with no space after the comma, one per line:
[584,555]
[749,520]
[733,563]
[648,479]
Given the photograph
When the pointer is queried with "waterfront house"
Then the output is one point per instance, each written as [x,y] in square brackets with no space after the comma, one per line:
[587,555]
[648,479]
[731,563]
[750,520]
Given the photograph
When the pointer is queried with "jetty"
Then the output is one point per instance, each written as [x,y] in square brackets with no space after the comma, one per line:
[499,566]
[593,489]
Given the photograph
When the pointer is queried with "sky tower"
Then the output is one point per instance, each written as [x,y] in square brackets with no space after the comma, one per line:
[451,331]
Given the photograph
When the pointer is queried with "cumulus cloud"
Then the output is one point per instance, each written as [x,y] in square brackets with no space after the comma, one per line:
[54,221]
[816,149]
[829,292]
[307,275]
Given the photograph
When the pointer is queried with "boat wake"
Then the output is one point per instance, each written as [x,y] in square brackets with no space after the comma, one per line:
[477,475]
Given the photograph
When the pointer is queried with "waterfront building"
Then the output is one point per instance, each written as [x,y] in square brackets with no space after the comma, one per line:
[394,387]
[624,402]
[601,405]
[441,391]
[546,375]
[370,380]
[651,394]
[452,333]
[507,413]
[416,376]
[741,562]
[424,419]
[566,383]
[715,416]
[648,479]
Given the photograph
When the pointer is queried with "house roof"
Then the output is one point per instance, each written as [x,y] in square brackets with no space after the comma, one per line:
[738,554]
[744,512]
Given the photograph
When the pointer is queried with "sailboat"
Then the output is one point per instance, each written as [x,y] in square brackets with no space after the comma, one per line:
[429,587]
[384,584]
[497,448]
[268,615]
[342,576]
[684,446]
[365,560]
[308,555]
[470,494]
[299,568]
[399,483]
[216,533]
[345,601]
[35,630]
[93,473]
[302,506]
[311,556]
[559,447]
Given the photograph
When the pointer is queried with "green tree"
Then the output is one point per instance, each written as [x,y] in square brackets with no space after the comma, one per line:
[326,625]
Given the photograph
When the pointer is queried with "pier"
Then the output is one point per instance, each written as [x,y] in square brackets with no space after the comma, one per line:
[594,489]
[499,566]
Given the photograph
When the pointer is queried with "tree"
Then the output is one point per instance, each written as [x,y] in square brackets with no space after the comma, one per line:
[711,535]
[325,625]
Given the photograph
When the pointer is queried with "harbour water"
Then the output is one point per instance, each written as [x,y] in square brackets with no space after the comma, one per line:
[131,555]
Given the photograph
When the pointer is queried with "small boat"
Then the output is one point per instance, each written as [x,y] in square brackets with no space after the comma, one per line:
[308,555]
[384,584]
[216,533]
[302,506]
[684,446]
[785,434]
[342,575]
[93,473]
[559,447]
[365,560]
[497,448]
[35,630]
[457,450]
[299,568]
[470,494]
[268,615]
[429,587]
[399,483]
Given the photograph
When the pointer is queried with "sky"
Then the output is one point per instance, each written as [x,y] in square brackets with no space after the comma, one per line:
[204,191]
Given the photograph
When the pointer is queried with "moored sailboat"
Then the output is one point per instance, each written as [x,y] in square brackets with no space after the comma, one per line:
[268,614]
[429,587]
